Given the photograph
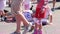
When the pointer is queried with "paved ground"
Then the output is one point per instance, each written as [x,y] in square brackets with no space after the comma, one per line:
[7,28]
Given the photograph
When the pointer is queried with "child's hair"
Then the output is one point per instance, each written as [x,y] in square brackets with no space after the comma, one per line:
[31,7]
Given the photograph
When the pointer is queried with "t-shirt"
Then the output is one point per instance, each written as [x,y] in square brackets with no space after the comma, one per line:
[27,15]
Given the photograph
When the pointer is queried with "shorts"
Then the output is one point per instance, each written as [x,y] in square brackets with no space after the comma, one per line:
[15,6]
[40,21]
[37,21]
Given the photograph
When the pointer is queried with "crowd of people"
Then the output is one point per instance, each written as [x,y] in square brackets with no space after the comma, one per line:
[23,12]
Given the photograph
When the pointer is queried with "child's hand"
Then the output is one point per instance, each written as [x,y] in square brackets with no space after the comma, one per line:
[33,15]
[49,23]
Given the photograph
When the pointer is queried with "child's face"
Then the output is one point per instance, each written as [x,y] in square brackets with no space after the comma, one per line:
[27,7]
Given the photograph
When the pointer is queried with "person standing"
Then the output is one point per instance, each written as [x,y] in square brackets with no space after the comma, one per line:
[16,10]
[9,3]
[42,9]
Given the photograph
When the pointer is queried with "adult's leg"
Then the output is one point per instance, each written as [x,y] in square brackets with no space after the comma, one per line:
[18,15]
[9,3]
[54,2]
[18,23]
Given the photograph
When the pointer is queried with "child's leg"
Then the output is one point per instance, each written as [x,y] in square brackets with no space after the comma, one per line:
[36,26]
[35,29]
[40,27]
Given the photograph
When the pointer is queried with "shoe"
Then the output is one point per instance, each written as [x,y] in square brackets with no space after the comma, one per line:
[25,30]
[40,31]
[53,9]
[15,33]
[31,30]
[35,31]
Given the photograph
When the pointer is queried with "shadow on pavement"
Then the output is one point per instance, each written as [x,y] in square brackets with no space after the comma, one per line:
[56,1]
[53,9]
[58,8]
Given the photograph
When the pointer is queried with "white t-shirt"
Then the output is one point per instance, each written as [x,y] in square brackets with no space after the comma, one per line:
[2,4]
[27,15]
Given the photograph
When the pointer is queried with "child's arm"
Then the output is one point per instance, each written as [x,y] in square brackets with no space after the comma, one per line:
[50,15]
[50,18]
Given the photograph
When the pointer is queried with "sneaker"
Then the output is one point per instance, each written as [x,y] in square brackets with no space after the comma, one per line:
[15,33]
[40,32]
[53,9]
[31,30]
[36,31]
[25,30]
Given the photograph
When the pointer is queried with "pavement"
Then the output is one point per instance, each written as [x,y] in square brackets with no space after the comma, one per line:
[7,28]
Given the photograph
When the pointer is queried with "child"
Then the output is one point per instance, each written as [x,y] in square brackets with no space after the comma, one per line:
[27,13]
[41,13]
